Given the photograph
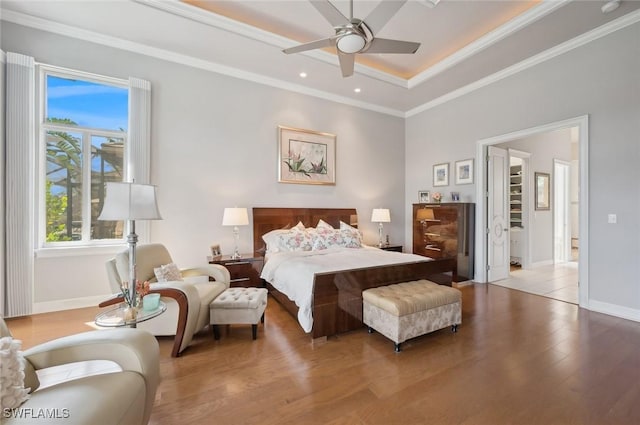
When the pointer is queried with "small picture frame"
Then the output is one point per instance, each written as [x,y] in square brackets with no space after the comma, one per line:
[441,174]
[424,196]
[464,171]
[215,250]
[455,196]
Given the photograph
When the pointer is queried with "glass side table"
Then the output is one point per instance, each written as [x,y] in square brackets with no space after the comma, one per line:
[116,316]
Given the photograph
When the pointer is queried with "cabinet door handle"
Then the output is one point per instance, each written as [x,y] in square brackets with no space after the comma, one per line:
[236,263]
[240,279]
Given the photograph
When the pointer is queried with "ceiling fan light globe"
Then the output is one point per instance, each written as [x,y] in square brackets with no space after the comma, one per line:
[351,43]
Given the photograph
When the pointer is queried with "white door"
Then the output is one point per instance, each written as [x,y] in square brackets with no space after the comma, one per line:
[498,214]
[560,206]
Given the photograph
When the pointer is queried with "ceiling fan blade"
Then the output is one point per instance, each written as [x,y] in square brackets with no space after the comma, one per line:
[318,44]
[330,12]
[346,63]
[379,16]
[384,45]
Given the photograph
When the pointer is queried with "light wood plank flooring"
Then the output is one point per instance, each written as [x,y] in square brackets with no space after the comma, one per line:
[516,359]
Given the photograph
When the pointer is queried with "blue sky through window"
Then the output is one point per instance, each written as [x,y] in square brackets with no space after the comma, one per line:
[86,103]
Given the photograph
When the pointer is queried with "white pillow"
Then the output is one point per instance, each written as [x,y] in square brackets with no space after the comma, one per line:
[13,392]
[167,273]
[271,239]
[323,225]
[345,226]
[299,226]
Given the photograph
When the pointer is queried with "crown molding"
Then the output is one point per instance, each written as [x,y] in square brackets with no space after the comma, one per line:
[188,11]
[603,30]
[491,38]
[118,43]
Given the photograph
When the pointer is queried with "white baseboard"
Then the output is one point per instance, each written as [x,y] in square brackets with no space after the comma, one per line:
[615,310]
[540,264]
[69,304]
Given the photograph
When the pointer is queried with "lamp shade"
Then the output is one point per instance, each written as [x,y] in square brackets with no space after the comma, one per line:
[130,201]
[235,217]
[380,215]
[425,214]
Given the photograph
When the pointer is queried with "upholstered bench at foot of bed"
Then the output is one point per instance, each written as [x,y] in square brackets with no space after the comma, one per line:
[409,309]
[237,306]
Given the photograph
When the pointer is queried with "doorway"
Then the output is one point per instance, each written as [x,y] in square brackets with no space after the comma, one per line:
[541,245]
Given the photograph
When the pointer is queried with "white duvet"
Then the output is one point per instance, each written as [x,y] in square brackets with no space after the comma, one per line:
[292,273]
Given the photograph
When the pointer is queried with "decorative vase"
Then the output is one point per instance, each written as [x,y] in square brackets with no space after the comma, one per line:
[130,313]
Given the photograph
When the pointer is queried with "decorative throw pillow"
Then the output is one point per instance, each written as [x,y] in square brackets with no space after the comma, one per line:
[351,238]
[295,240]
[167,273]
[337,239]
[13,392]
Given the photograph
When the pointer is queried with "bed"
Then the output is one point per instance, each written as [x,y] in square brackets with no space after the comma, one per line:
[336,295]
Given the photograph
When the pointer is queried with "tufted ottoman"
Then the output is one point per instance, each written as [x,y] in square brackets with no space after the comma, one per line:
[409,309]
[238,305]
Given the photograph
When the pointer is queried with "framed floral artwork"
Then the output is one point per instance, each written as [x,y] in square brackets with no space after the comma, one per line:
[464,171]
[542,191]
[306,156]
[441,174]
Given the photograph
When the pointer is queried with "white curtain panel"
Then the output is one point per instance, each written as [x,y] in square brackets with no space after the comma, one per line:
[20,185]
[3,73]
[139,143]
[139,130]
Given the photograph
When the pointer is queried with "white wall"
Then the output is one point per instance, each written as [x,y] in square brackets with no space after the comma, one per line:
[214,146]
[599,79]
[544,148]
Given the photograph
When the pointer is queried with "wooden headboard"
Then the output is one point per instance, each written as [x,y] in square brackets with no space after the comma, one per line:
[268,219]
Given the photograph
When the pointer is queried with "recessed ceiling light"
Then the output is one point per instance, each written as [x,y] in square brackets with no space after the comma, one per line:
[357,90]
[303,75]
[610,6]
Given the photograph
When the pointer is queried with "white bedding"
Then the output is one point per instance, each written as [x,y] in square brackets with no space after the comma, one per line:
[292,273]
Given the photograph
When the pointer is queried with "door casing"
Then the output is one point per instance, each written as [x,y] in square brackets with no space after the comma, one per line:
[582,122]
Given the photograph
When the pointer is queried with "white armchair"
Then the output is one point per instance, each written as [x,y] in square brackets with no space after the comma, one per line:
[125,396]
[187,301]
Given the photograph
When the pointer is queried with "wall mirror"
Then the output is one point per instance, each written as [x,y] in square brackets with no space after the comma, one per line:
[542,191]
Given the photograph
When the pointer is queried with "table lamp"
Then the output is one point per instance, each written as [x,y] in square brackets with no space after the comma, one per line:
[235,217]
[425,214]
[380,215]
[130,201]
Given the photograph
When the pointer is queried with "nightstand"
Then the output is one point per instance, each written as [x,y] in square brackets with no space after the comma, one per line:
[396,248]
[244,271]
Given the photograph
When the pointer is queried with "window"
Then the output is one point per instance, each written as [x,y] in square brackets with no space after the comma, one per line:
[83,128]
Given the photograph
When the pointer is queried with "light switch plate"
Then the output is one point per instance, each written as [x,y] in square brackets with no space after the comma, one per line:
[612,219]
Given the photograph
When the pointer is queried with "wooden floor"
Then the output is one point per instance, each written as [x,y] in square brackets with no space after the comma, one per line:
[516,359]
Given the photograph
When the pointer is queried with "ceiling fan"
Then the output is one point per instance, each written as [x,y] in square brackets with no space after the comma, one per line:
[354,36]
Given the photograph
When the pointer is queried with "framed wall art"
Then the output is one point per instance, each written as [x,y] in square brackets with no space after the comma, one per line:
[542,191]
[464,171]
[306,156]
[441,174]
